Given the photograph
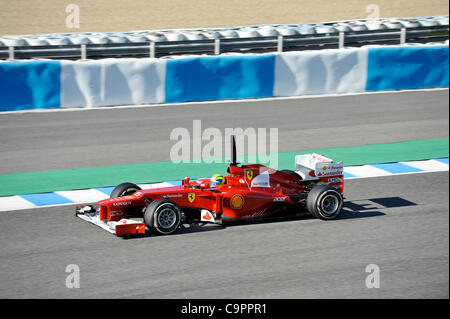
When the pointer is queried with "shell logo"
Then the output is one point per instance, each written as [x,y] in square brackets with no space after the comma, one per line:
[324,168]
[237,201]
[207,216]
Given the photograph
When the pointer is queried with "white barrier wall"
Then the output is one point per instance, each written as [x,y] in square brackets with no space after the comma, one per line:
[110,82]
[320,72]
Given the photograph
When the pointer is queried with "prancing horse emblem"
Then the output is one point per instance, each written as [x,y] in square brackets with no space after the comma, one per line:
[191,197]
[249,174]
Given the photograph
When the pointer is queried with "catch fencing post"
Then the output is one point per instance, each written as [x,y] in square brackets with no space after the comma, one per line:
[341,39]
[152,49]
[83,52]
[403,36]
[280,44]
[11,53]
[217,46]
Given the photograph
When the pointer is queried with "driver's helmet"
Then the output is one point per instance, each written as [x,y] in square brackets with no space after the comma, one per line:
[216,180]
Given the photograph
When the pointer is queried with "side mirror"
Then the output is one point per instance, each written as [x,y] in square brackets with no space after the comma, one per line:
[185,181]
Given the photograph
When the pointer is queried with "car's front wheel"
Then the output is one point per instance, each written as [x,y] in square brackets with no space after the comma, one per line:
[124,189]
[162,216]
[324,202]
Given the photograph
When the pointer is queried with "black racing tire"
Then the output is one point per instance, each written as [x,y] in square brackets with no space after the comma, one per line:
[290,172]
[162,216]
[324,202]
[124,189]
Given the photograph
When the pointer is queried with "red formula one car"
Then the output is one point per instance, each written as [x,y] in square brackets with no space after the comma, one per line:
[249,192]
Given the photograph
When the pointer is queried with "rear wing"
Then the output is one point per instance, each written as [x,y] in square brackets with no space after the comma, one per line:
[315,166]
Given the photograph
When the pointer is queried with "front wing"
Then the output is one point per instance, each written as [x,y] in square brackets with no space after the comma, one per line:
[123,227]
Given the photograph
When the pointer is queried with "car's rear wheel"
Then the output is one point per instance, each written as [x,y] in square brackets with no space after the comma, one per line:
[162,216]
[324,202]
[124,189]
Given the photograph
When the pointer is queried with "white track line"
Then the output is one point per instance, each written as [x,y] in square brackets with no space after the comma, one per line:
[83,196]
[429,166]
[366,171]
[14,203]
[318,96]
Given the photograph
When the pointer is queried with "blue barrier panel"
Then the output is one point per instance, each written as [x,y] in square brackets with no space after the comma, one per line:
[218,78]
[399,68]
[29,85]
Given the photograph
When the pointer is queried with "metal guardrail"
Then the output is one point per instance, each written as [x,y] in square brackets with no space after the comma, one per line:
[218,46]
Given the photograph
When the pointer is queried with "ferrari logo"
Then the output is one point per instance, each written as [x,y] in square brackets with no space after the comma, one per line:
[249,175]
[191,197]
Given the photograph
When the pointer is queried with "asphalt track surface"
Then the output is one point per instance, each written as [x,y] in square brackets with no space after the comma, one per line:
[399,223]
[64,140]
